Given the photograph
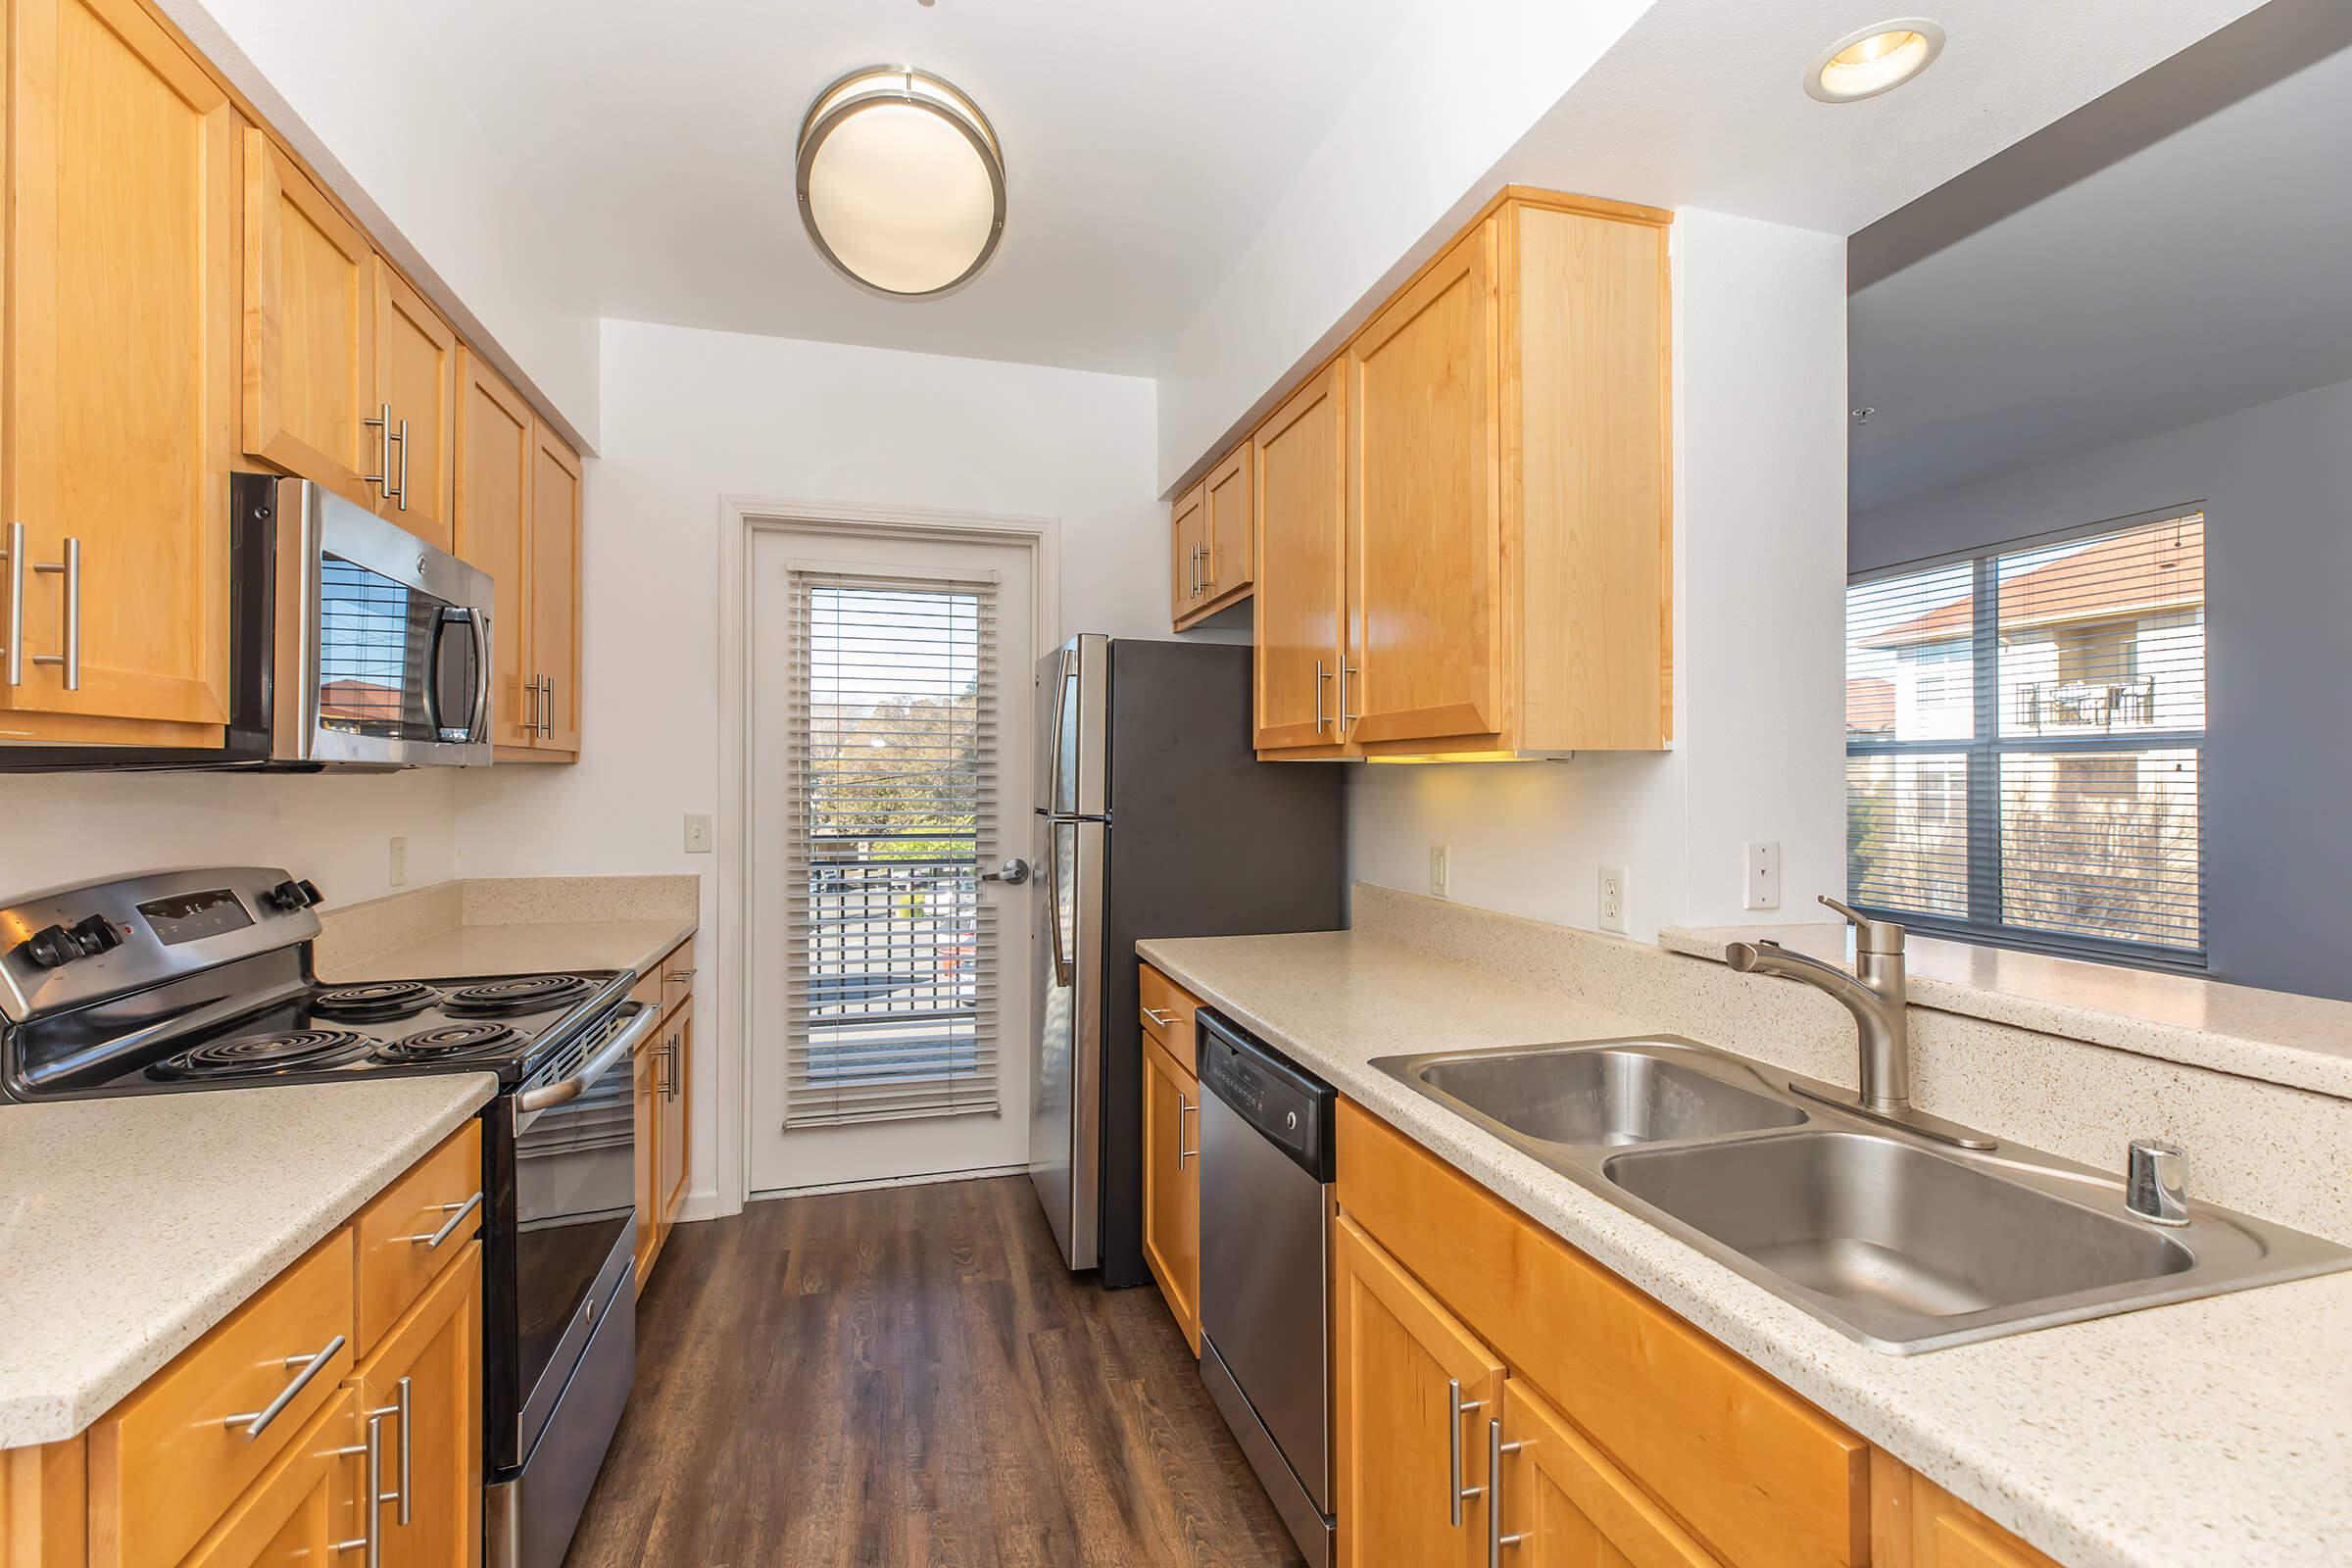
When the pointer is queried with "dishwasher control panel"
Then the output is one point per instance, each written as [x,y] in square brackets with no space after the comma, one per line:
[1289,1107]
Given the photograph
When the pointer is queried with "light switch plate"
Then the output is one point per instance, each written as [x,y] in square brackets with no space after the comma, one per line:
[1437,871]
[400,861]
[1761,873]
[698,833]
[1612,898]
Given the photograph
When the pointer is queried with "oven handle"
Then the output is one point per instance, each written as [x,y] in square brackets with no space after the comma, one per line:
[564,1091]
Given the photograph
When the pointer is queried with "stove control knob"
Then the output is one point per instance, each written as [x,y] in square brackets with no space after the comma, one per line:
[309,891]
[96,934]
[50,947]
[289,896]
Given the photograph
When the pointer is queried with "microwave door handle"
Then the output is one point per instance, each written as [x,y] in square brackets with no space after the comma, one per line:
[432,673]
[479,730]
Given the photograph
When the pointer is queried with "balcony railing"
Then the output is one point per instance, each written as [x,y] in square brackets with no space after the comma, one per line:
[2087,704]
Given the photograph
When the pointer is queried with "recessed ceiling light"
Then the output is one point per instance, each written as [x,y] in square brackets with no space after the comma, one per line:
[900,181]
[1873,60]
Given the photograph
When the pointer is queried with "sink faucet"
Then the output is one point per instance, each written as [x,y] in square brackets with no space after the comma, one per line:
[1878,996]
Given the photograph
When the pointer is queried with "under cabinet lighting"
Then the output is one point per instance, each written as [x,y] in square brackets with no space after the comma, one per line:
[1873,60]
[900,181]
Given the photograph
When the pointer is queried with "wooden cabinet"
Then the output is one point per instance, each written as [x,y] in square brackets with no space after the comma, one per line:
[306,1505]
[669,1144]
[1187,528]
[410,1230]
[492,514]
[553,624]
[1505,544]
[645,1101]
[665,1104]
[415,365]
[423,1388]
[1215,528]
[1165,1011]
[1302,562]
[1562,1504]
[310,329]
[122,397]
[1917,1523]
[1412,1390]
[1172,1184]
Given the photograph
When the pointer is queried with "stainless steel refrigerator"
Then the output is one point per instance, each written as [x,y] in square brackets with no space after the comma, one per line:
[1154,819]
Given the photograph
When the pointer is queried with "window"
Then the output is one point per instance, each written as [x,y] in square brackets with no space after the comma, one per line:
[2025,740]
[891,791]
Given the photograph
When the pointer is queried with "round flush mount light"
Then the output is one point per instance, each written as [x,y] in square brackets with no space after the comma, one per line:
[900,181]
[1873,59]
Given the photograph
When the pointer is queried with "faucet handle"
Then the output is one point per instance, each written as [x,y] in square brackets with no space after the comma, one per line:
[1869,936]
[2156,1181]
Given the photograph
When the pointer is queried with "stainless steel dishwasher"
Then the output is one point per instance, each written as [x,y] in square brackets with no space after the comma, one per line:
[1265,1207]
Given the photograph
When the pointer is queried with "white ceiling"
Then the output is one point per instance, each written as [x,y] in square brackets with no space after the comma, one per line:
[2202,274]
[1142,144]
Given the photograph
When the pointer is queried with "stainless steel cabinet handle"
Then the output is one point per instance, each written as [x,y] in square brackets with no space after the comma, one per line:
[1183,1110]
[381,424]
[15,604]
[681,976]
[398,1408]
[1321,675]
[257,1422]
[666,1082]
[70,569]
[401,493]
[1345,718]
[547,710]
[1457,1407]
[456,1213]
[372,1502]
[1209,568]
[1495,1450]
[1163,1019]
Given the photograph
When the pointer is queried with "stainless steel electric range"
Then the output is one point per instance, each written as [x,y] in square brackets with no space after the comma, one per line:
[203,980]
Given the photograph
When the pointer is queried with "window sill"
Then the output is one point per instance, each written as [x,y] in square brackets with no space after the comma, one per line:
[2275,1036]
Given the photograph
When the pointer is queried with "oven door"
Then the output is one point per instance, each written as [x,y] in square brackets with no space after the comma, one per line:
[383,642]
[575,1166]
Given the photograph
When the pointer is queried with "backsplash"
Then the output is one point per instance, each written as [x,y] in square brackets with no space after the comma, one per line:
[2281,1153]
[350,934]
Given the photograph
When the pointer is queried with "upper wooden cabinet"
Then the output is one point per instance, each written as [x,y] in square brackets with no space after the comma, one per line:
[1505,542]
[554,626]
[121,396]
[310,329]
[1302,562]
[492,511]
[1214,529]
[1188,535]
[415,396]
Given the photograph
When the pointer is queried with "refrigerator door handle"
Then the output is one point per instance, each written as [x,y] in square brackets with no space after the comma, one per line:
[1055,892]
[1063,674]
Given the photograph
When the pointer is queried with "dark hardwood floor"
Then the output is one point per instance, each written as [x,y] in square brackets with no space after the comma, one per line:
[909,1377]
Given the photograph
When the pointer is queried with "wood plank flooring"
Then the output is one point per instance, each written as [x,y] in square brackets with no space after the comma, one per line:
[909,1377]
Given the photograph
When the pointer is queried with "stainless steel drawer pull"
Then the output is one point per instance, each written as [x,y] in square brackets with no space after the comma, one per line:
[1457,1407]
[1321,675]
[70,569]
[15,604]
[400,493]
[369,1541]
[456,1213]
[1163,1019]
[381,424]
[257,1422]
[1495,1450]
[680,976]
[1184,1110]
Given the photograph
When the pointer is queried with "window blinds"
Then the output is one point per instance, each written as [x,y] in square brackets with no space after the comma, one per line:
[2025,739]
[890,802]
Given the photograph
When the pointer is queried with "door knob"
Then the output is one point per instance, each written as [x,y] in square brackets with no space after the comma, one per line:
[1012,873]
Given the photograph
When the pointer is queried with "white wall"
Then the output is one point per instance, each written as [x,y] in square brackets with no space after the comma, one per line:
[334,828]
[690,416]
[1759,592]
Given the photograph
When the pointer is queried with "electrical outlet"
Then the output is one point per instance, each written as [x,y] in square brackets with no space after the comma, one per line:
[1612,898]
[698,833]
[1437,870]
[1761,886]
[400,862]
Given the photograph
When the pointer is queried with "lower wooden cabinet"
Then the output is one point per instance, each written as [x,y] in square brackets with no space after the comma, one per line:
[1172,1184]
[421,1390]
[665,1105]
[1411,1389]
[1560,1504]
[307,1509]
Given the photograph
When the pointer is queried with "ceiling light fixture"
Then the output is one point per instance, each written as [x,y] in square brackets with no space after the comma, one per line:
[1873,60]
[900,181]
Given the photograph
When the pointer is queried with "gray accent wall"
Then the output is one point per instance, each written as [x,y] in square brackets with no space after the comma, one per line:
[2276,484]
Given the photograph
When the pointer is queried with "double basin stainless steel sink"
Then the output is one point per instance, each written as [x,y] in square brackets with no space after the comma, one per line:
[1899,1241]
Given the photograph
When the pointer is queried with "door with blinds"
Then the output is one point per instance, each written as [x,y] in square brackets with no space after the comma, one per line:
[889,948]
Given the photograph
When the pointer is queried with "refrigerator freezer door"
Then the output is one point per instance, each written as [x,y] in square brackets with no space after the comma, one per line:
[1073,705]
[1066,1150]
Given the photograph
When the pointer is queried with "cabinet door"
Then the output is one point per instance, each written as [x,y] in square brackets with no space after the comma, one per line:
[431,1447]
[492,511]
[1565,1505]
[1302,489]
[1172,1186]
[304,1509]
[415,378]
[647,1098]
[554,576]
[1188,523]
[310,337]
[671,1163]
[1404,1448]
[123,399]
[1424,521]
[1231,492]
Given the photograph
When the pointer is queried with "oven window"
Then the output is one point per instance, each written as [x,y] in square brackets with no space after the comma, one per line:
[378,649]
[574,1189]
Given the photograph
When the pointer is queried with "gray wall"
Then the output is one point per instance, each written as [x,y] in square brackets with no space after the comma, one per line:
[2276,482]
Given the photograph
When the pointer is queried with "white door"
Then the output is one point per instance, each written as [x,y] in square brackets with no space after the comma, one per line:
[890,769]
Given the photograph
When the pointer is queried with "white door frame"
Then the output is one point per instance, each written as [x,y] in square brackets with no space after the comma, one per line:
[739,518]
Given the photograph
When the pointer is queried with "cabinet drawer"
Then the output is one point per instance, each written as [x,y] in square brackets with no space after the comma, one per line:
[1758,1475]
[1166,1009]
[166,1462]
[394,1266]
[677,975]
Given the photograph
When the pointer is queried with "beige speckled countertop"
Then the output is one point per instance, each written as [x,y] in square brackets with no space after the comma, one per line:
[468,949]
[129,1226]
[2208,1434]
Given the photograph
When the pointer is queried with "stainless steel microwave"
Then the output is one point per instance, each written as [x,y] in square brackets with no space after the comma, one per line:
[352,643]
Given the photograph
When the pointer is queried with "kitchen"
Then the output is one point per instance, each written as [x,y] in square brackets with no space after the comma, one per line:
[1081,860]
